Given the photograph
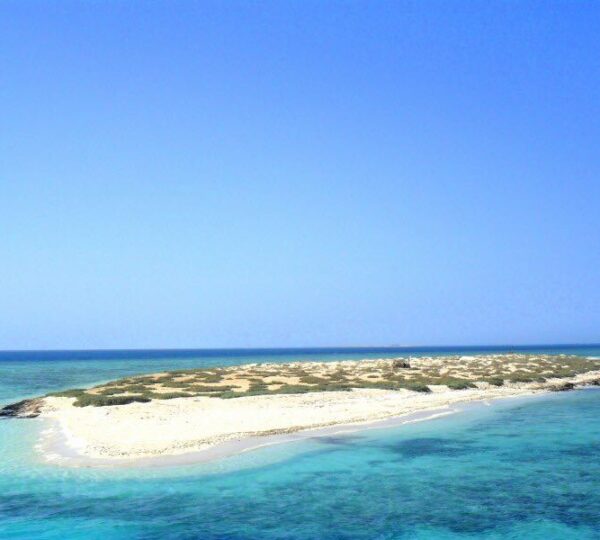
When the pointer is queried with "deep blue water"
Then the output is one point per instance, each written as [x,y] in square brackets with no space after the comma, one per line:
[518,469]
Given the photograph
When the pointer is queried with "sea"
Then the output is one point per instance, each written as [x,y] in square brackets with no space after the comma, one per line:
[526,468]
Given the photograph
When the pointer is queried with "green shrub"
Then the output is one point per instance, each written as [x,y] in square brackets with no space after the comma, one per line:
[257,389]
[297,372]
[227,395]
[180,372]
[134,389]
[417,387]
[140,380]
[379,385]
[169,395]
[75,392]
[339,375]
[86,400]
[110,391]
[460,385]
[163,379]
[204,388]
[398,379]
[521,379]
[311,379]
[210,378]
[177,384]
[496,381]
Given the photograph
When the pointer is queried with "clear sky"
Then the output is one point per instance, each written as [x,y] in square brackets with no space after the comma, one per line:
[306,173]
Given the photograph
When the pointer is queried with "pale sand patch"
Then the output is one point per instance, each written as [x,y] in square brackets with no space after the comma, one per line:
[183,425]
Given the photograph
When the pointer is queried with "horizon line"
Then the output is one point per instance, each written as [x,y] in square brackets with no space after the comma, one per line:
[303,348]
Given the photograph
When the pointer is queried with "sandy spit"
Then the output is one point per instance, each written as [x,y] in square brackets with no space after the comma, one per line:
[189,425]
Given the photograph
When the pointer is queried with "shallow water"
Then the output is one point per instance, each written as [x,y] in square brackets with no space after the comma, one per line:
[527,468]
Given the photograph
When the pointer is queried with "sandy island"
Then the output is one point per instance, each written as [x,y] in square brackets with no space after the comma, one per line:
[252,401]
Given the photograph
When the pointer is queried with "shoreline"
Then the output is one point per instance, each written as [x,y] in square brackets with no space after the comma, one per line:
[199,415]
[56,444]
[63,454]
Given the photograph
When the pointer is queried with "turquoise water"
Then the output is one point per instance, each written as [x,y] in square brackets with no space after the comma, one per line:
[527,468]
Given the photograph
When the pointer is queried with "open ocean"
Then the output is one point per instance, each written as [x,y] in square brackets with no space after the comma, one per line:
[527,468]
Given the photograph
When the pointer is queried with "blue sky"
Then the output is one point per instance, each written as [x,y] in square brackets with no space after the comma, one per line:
[239,174]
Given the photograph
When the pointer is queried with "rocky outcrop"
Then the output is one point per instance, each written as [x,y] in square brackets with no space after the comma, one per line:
[28,408]
[562,387]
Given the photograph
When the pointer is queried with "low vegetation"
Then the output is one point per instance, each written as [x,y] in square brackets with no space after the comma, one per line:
[416,375]
[98,400]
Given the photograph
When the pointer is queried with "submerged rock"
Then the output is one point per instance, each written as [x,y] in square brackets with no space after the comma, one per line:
[28,408]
